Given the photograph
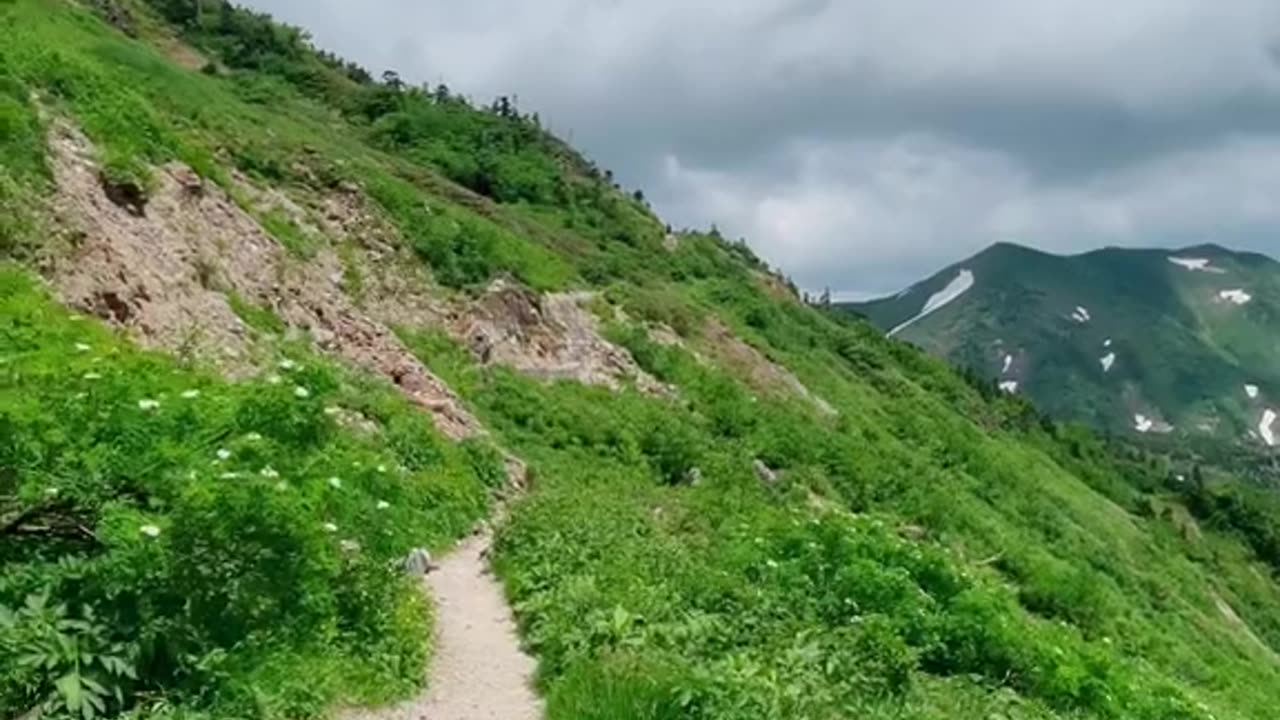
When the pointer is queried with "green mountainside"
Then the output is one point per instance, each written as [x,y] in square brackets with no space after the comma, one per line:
[267,324]
[1186,339]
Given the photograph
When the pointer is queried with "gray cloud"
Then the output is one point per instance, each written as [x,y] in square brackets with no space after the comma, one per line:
[861,144]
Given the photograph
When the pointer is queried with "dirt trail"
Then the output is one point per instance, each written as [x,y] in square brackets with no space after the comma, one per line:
[479,671]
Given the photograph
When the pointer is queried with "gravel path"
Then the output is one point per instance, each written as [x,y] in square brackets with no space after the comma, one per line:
[479,671]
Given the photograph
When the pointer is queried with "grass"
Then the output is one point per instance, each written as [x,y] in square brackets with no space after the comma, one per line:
[644,597]
[260,318]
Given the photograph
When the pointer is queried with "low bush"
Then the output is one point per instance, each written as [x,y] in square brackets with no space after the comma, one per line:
[224,546]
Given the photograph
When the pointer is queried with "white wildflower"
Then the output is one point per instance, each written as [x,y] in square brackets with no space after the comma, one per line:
[349,546]
[81,347]
[335,483]
[92,376]
[282,486]
[382,468]
[253,437]
[269,472]
[147,404]
[224,454]
[330,527]
[383,505]
[150,530]
[287,364]
[301,392]
[190,394]
[52,491]
[332,410]
[229,475]
[773,564]
[275,379]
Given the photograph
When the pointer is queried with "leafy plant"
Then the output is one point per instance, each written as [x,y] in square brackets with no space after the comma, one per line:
[68,663]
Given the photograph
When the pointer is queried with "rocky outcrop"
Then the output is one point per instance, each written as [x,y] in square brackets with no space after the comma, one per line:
[548,336]
[164,273]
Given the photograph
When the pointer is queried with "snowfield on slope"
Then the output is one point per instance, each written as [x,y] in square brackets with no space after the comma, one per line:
[1081,314]
[1009,386]
[954,289]
[1008,363]
[1196,264]
[1239,297]
[1251,391]
[1108,361]
[1265,428]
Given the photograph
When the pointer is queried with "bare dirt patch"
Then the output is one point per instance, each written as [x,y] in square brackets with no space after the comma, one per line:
[1234,619]
[759,370]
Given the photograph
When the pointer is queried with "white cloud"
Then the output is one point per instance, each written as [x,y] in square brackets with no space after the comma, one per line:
[885,212]
[863,144]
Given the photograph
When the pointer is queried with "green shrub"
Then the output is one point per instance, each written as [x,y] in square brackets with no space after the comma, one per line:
[206,536]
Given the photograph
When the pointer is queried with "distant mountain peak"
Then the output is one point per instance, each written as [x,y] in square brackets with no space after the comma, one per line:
[1169,335]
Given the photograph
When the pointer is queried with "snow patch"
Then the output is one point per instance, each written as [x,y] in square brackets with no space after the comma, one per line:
[1196,264]
[1267,432]
[1251,391]
[1081,315]
[954,289]
[1107,361]
[1009,386]
[1143,424]
[1008,363]
[1106,343]
[1239,297]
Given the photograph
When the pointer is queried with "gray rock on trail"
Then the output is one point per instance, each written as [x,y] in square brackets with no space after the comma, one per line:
[418,562]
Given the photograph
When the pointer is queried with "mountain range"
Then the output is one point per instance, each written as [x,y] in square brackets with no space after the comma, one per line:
[1137,341]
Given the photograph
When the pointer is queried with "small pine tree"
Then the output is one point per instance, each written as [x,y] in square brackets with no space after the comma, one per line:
[391,79]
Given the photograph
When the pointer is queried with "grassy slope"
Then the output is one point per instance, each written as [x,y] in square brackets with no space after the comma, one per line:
[929,553]
[251,598]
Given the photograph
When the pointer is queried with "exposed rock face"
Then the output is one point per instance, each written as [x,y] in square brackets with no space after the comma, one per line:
[165,277]
[548,336]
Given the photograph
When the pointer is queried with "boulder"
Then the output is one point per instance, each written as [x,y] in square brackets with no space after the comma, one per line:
[767,476]
[417,562]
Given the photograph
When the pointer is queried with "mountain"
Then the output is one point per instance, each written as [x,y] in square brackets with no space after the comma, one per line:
[1131,341]
[276,337]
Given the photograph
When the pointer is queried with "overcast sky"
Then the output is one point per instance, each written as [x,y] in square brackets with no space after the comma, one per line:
[863,144]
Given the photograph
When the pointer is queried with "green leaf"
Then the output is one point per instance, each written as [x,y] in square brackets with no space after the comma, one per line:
[93,685]
[71,690]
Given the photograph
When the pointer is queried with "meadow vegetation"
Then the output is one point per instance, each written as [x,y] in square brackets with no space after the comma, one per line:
[177,545]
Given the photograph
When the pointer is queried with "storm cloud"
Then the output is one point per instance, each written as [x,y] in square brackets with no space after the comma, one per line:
[862,144]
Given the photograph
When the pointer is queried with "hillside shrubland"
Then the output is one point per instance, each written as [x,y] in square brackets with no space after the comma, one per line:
[178,544]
